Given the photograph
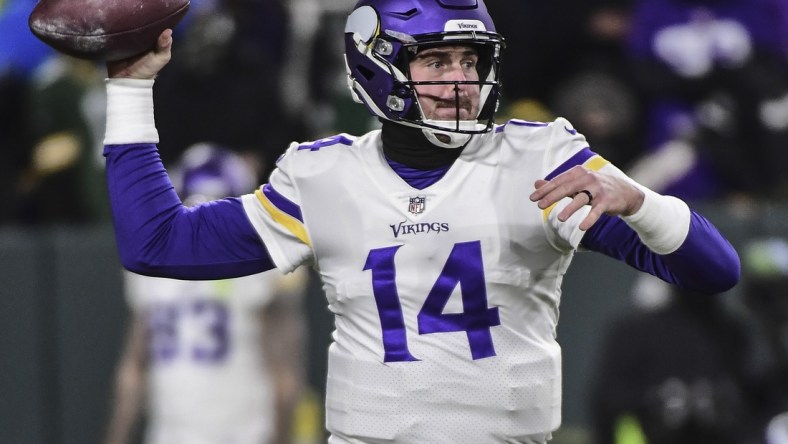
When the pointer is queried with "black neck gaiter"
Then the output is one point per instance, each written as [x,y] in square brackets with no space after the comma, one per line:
[408,146]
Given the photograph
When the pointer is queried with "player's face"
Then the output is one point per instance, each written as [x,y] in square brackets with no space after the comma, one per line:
[447,64]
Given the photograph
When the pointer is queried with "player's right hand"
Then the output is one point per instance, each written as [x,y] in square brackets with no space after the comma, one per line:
[607,194]
[146,65]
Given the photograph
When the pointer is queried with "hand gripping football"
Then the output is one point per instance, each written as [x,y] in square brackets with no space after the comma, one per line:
[104,29]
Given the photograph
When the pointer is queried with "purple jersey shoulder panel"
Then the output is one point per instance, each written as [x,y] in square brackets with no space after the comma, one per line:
[283,203]
[578,159]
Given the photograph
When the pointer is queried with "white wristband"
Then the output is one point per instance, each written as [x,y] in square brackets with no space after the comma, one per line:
[130,112]
[662,222]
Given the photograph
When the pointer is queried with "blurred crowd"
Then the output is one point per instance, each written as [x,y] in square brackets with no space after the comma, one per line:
[689,97]
[247,75]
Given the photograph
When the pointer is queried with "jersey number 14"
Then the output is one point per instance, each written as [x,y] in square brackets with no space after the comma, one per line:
[464,268]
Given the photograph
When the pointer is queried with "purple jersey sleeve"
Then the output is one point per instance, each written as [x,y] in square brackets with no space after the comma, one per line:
[705,263]
[158,236]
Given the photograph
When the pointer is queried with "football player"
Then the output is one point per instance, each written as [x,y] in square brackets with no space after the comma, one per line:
[441,239]
[211,361]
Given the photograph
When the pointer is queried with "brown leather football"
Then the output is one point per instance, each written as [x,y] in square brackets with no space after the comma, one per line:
[104,29]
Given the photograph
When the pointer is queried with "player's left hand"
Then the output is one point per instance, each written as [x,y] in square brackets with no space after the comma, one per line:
[605,193]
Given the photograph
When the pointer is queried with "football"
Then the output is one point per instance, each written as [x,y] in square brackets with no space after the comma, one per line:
[104,29]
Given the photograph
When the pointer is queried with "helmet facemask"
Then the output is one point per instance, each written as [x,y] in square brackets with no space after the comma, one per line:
[452,133]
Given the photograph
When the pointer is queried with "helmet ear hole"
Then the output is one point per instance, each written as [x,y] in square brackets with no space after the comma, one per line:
[367,73]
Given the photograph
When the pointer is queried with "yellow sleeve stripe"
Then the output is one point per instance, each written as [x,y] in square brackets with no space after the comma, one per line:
[594,163]
[546,212]
[292,224]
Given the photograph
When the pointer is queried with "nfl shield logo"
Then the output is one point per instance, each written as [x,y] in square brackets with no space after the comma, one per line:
[416,205]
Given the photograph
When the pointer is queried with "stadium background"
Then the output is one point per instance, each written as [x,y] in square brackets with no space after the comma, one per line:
[62,311]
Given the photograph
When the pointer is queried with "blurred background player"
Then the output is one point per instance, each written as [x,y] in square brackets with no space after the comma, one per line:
[680,368]
[210,361]
[65,106]
[670,371]
[764,304]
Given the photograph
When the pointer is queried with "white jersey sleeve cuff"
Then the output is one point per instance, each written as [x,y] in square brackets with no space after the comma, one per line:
[662,222]
[130,112]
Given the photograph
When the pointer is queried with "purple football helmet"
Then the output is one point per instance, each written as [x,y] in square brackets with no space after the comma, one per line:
[207,172]
[381,38]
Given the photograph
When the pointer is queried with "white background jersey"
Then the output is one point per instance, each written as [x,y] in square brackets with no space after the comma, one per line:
[207,381]
[445,299]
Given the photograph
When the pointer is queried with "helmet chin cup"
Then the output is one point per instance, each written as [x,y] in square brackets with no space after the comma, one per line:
[450,134]
[445,139]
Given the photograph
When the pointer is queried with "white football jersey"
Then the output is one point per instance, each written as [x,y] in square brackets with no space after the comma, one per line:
[208,381]
[445,299]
